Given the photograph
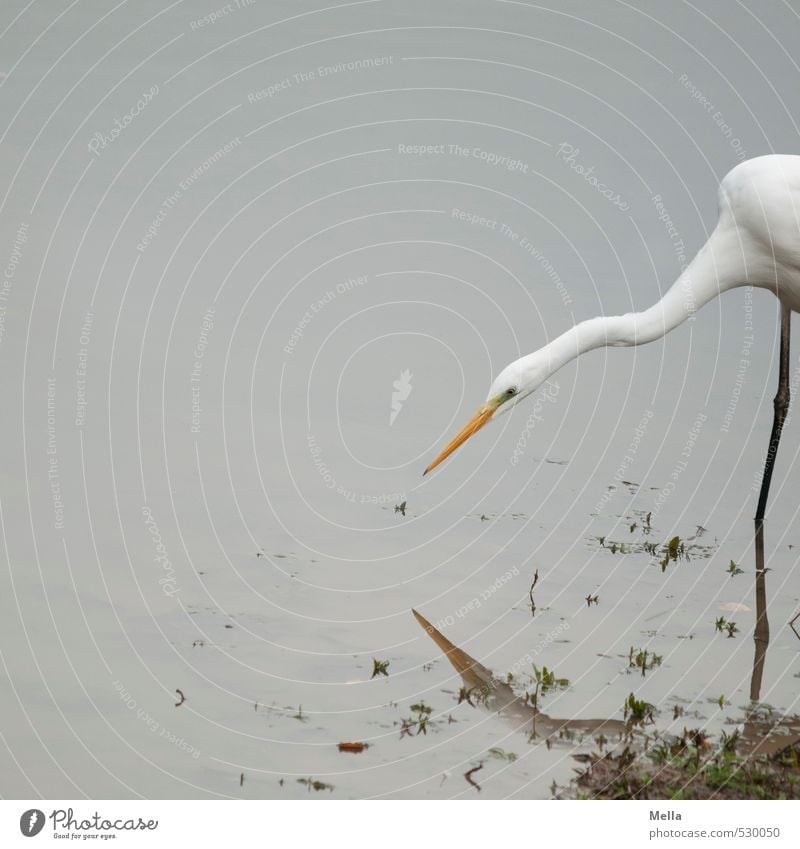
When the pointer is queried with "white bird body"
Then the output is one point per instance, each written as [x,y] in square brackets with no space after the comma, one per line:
[756,242]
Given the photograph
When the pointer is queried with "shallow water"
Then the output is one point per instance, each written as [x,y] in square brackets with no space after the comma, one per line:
[208,427]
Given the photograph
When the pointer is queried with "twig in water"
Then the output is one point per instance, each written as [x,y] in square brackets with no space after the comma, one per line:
[791,625]
[468,775]
[530,592]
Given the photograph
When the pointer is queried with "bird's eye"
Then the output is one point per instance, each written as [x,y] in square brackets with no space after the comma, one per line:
[511,391]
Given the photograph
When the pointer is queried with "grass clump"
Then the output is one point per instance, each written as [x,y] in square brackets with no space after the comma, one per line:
[689,766]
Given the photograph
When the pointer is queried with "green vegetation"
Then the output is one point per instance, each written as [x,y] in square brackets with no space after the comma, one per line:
[670,551]
[419,721]
[690,767]
[379,667]
[501,754]
[642,659]
[480,694]
[636,712]
[313,784]
[545,681]
[722,624]
[733,569]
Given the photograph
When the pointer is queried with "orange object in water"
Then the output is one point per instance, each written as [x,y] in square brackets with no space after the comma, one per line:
[353,747]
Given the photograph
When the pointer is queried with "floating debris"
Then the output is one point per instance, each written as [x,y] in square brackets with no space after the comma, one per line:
[182,698]
[501,754]
[423,713]
[733,569]
[313,784]
[355,748]
[379,667]
[469,773]
[400,508]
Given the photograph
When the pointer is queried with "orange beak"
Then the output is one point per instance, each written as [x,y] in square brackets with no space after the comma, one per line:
[478,420]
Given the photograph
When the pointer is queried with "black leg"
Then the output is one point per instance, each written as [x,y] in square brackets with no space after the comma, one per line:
[781,404]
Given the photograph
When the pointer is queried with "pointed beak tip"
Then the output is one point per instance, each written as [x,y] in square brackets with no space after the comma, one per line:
[478,420]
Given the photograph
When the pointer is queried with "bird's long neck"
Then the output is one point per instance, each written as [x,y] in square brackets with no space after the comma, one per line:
[715,269]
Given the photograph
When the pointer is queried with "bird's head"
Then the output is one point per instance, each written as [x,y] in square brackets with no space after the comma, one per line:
[515,382]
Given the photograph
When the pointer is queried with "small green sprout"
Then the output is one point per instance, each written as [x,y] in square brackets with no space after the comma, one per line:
[313,784]
[379,667]
[644,660]
[501,754]
[637,712]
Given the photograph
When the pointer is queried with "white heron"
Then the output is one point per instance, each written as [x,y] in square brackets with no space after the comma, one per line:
[756,243]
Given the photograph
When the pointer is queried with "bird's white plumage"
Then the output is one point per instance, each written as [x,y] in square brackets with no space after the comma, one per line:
[756,243]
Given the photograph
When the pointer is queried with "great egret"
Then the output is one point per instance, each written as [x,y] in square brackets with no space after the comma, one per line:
[756,243]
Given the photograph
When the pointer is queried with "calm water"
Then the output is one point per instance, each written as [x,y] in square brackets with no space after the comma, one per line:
[258,268]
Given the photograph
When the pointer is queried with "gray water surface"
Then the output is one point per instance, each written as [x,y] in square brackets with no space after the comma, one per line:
[239,323]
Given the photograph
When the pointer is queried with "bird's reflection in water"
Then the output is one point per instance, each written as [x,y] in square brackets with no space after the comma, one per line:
[761,634]
[762,733]
[498,696]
